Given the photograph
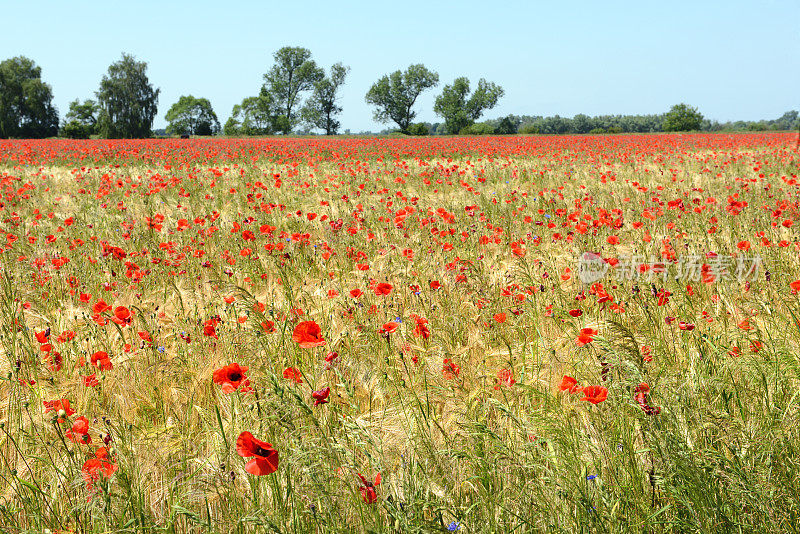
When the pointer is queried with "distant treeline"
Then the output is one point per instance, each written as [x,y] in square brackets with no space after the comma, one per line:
[583,124]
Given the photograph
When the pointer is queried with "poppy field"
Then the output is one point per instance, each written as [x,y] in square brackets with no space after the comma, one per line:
[496,334]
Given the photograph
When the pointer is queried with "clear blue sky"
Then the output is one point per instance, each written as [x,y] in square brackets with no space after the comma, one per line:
[731,59]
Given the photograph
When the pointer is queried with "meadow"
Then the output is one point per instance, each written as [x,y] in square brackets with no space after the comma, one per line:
[483,334]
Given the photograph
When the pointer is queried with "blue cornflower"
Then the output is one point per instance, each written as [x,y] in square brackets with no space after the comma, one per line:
[454,526]
[591,477]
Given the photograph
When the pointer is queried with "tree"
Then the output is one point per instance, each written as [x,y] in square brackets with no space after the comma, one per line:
[256,115]
[128,102]
[460,111]
[26,108]
[192,116]
[395,94]
[682,118]
[81,119]
[321,108]
[294,72]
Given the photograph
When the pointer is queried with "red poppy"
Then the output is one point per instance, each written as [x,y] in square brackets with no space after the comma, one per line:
[505,378]
[369,491]
[595,394]
[449,369]
[97,468]
[383,289]
[91,381]
[435,285]
[321,396]
[293,373]
[43,337]
[586,336]
[231,377]
[79,432]
[389,328]
[308,334]
[500,317]
[569,384]
[122,315]
[60,406]
[102,360]
[100,307]
[266,458]
[355,293]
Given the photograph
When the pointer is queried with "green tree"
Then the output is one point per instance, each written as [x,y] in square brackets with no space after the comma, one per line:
[293,73]
[26,108]
[460,110]
[321,109]
[81,119]
[256,115]
[682,118]
[128,102]
[192,116]
[394,94]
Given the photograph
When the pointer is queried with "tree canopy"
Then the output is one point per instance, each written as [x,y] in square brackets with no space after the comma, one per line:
[460,110]
[321,108]
[293,73]
[394,95]
[192,116]
[81,119]
[26,108]
[128,101]
[682,118]
[256,115]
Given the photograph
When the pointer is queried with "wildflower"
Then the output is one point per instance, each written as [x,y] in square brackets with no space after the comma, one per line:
[61,407]
[389,328]
[569,384]
[102,360]
[499,318]
[449,369]
[308,334]
[79,432]
[266,458]
[231,377]
[321,396]
[454,526]
[97,468]
[293,373]
[504,378]
[586,336]
[383,289]
[595,394]
[369,491]
[330,359]
[122,316]
[91,381]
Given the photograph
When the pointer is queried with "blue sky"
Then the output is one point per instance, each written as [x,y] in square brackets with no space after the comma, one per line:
[733,60]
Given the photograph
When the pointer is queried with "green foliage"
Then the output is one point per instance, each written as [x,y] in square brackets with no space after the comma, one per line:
[479,128]
[418,128]
[394,95]
[192,116]
[26,108]
[529,129]
[293,73]
[128,102]
[256,115]
[321,109]
[595,131]
[506,126]
[682,118]
[460,110]
[81,120]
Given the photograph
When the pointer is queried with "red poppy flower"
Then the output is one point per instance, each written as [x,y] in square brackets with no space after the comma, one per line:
[100,307]
[97,468]
[231,377]
[321,396]
[569,384]
[369,491]
[595,394]
[383,289]
[355,293]
[43,337]
[308,334]
[79,432]
[449,369]
[505,378]
[60,406]
[293,373]
[389,328]
[499,317]
[102,360]
[122,315]
[435,284]
[586,336]
[266,458]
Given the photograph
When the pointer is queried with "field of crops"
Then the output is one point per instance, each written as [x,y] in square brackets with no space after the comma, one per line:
[503,334]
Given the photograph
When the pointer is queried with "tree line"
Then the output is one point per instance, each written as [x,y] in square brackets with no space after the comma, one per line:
[299,95]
